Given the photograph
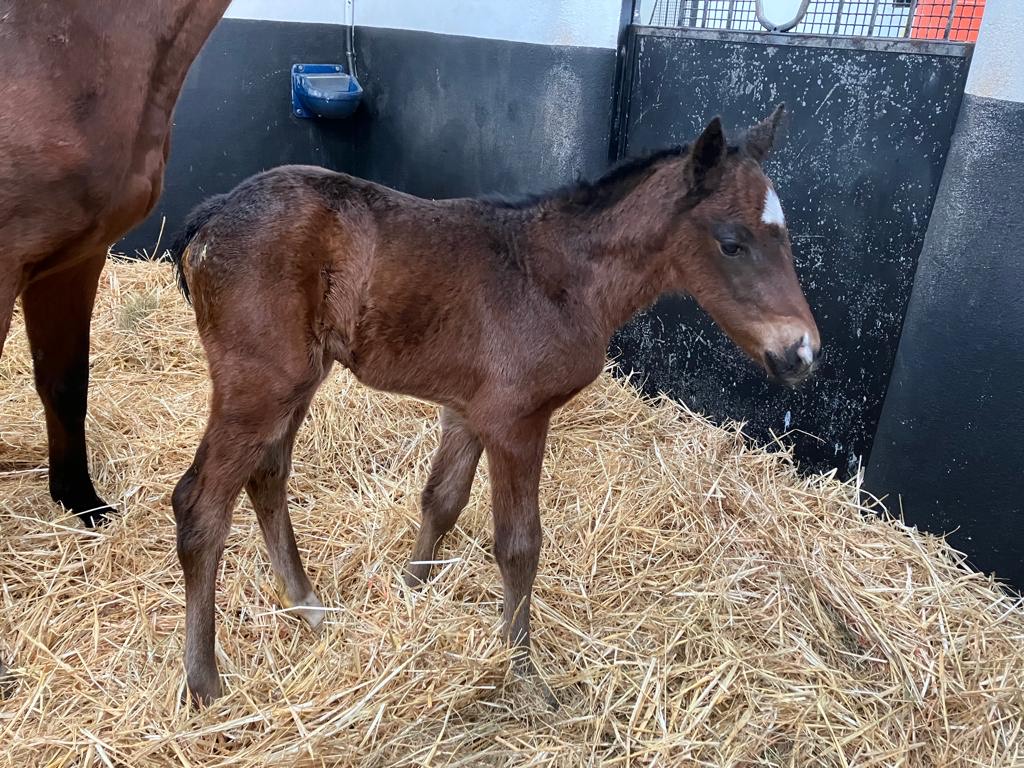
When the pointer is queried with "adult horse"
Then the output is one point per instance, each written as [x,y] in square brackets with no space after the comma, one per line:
[86,95]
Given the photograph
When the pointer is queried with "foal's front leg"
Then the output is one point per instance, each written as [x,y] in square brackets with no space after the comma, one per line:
[515,459]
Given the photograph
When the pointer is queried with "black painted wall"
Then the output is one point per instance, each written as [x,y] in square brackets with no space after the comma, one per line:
[950,443]
[857,175]
[443,115]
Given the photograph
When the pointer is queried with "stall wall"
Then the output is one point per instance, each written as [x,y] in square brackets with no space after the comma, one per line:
[949,450]
[461,98]
[857,170]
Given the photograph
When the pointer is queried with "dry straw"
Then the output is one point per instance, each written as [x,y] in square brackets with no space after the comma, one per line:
[698,602]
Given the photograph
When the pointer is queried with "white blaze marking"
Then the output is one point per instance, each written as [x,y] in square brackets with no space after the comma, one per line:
[804,351]
[772,213]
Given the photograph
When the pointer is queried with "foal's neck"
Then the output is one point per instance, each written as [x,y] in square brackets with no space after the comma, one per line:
[621,248]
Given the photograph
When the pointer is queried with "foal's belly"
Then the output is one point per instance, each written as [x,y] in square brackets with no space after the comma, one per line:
[417,348]
[450,387]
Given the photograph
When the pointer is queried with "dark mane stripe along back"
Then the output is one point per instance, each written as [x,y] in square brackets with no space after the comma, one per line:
[611,186]
[602,192]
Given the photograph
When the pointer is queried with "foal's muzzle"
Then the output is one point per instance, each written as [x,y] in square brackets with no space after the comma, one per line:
[793,365]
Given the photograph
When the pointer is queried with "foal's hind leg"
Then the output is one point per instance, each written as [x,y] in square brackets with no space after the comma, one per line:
[246,419]
[203,501]
[446,492]
[267,488]
[58,312]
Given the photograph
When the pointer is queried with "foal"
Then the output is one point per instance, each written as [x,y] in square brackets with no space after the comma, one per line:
[500,312]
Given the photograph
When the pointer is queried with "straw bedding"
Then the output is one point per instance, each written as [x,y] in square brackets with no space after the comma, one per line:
[698,602]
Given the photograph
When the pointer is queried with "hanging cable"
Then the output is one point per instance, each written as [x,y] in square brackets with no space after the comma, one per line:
[350,48]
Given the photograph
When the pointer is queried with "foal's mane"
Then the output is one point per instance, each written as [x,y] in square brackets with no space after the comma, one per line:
[601,193]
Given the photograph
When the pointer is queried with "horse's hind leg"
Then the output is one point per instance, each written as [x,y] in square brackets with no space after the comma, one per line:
[446,492]
[257,394]
[267,488]
[245,423]
[202,501]
[58,312]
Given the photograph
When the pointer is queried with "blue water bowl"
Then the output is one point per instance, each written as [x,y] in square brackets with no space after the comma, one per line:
[324,90]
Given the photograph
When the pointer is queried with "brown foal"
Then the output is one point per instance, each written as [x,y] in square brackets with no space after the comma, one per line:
[498,311]
[86,94]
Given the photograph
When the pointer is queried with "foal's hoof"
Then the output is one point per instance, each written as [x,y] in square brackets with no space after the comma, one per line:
[526,672]
[203,692]
[308,608]
[416,574]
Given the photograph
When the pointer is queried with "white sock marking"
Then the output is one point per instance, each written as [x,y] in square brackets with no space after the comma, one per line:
[772,213]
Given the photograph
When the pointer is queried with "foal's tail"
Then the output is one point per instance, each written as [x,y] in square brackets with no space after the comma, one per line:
[196,220]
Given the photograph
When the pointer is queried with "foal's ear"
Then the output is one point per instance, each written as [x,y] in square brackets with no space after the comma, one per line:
[708,151]
[761,138]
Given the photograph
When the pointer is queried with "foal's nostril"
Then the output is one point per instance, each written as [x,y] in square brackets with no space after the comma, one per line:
[794,364]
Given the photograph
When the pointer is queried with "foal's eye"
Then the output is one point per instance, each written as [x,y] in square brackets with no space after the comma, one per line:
[730,248]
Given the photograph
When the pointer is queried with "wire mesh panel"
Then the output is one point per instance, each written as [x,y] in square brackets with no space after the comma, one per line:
[705,14]
[864,18]
[952,20]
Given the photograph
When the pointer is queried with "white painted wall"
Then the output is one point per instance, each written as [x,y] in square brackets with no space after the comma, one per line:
[996,69]
[591,23]
[316,11]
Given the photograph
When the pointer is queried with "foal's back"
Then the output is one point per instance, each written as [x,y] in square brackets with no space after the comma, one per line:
[434,299]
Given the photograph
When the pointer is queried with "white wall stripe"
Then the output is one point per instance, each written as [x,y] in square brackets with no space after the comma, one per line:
[590,23]
[585,23]
[310,11]
[996,68]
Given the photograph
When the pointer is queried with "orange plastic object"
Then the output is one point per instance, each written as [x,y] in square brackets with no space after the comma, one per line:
[931,18]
